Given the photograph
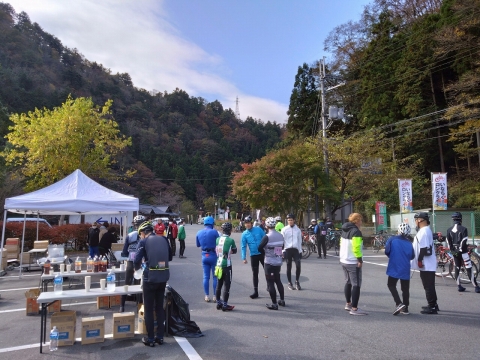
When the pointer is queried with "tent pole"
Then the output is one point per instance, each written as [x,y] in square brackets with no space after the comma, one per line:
[3,237]
[23,242]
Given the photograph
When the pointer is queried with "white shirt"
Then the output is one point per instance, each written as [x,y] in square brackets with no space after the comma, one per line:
[423,239]
[293,237]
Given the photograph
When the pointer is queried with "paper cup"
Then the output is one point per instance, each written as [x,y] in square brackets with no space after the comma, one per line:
[103,283]
[113,268]
[69,268]
[88,282]
[125,288]
[62,268]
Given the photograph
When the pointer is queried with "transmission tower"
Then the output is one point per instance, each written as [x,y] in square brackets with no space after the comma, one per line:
[237,110]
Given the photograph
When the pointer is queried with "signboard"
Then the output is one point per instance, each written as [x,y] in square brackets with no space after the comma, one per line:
[405,195]
[439,191]
[381,215]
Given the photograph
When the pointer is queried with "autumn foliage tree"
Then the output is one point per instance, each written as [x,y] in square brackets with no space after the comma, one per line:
[47,145]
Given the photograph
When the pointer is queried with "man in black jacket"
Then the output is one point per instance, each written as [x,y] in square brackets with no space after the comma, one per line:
[93,240]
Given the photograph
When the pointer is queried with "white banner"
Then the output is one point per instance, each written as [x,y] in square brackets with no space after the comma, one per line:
[439,191]
[405,195]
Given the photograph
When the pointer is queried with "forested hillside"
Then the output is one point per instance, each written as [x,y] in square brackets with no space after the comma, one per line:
[183,147]
[410,71]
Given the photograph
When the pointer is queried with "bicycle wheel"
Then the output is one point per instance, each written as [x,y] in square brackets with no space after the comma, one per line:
[328,243]
[442,264]
[337,248]
[475,258]
[305,250]
[376,245]
[463,275]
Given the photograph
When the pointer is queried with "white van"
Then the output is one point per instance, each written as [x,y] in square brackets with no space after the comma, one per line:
[40,220]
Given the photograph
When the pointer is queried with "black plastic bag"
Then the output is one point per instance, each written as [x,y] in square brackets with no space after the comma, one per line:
[178,313]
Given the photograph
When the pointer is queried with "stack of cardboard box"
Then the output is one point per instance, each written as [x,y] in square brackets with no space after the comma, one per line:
[13,248]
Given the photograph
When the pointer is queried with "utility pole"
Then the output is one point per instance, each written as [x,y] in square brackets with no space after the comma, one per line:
[326,204]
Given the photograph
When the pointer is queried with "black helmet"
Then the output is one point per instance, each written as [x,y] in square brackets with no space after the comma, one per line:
[248,219]
[457,216]
[291,216]
[423,215]
[227,228]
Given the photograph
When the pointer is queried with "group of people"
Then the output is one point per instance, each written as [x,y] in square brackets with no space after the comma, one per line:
[405,254]
[268,248]
[100,238]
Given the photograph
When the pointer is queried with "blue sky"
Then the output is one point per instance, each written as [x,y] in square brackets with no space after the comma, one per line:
[210,48]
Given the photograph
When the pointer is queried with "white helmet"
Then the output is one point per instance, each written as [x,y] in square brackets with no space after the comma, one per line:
[278,218]
[139,219]
[404,229]
[270,222]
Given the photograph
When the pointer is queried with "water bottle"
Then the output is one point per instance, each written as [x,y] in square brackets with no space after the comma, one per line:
[58,284]
[54,339]
[111,281]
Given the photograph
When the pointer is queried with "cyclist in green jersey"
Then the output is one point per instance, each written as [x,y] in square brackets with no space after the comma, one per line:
[223,270]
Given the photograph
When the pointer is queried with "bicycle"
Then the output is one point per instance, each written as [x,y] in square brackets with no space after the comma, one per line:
[380,240]
[446,263]
[309,242]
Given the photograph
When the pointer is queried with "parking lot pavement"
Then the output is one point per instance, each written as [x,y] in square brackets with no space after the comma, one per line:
[313,325]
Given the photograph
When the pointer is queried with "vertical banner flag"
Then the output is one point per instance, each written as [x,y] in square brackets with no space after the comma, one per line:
[405,195]
[439,191]
[381,214]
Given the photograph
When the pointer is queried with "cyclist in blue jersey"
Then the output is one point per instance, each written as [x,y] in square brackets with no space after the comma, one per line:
[252,237]
[207,241]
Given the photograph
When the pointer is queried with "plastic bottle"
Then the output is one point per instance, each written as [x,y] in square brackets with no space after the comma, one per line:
[96,263]
[54,339]
[111,281]
[104,264]
[78,265]
[89,264]
[58,284]
[46,267]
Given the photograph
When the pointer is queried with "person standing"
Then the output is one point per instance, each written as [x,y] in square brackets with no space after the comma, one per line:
[207,240]
[292,236]
[272,245]
[425,261]
[159,227]
[329,224]
[457,237]
[223,270]
[399,250]
[181,238]
[107,240]
[93,240]
[279,225]
[351,258]
[252,237]
[172,233]
[321,231]
[129,250]
[155,252]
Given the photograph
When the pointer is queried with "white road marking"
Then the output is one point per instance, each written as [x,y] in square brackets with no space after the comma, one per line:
[187,348]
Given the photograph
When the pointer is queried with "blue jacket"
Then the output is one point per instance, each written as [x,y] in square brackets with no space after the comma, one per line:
[207,239]
[252,238]
[399,250]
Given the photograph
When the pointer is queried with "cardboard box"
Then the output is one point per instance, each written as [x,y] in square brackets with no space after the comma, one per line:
[141,328]
[12,248]
[123,325]
[41,244]
[117,247]
[65,321]
[11,256]
[93,330]
[115,301]
[103,302]
[32,307]
[55,307]
[12,241]
[26,258]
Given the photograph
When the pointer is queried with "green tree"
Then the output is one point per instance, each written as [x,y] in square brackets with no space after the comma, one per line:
[46,145]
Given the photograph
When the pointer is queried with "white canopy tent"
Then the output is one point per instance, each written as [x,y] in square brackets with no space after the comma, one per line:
[76,194]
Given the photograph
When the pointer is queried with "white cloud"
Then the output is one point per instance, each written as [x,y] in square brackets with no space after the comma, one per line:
[136,37]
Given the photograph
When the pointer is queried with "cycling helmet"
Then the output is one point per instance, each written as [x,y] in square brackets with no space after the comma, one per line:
[146,227]
[457,216]
[248,219]
[227,228]
[139,219]
[313,220]
[278,218]
[291,216]
[208,220]
[404,229]
[270,222]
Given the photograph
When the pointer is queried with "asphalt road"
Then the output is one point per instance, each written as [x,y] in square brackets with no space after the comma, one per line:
[313,325]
